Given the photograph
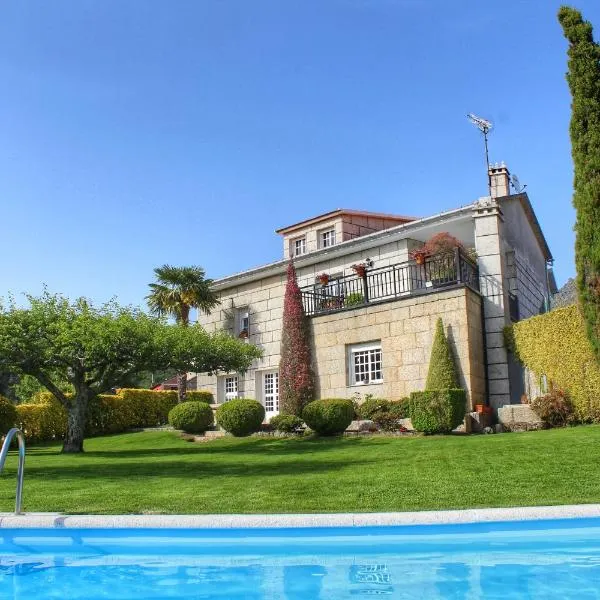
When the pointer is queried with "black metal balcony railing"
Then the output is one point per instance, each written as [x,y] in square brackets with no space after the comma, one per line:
[388,283]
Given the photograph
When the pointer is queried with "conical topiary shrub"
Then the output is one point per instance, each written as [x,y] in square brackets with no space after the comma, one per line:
[442,370]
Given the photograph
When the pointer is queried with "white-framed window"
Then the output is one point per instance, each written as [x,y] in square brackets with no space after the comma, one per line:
[365,363]
[327,238]
[299,246]
[271,392]
[230,387]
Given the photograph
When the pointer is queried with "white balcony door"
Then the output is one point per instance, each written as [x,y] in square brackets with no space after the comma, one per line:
[271,393]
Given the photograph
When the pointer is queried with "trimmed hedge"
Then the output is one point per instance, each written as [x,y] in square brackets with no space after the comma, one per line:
[8,415]
[108,414]
[192,417]
[437,411]
[200,396]
[555,344]
[330,416]
[241,416]
[286,423]
[45,419]
[149,408]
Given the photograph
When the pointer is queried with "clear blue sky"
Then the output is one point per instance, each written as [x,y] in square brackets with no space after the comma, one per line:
[136,133]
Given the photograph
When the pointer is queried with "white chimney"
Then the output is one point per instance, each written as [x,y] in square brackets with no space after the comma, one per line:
[499,180]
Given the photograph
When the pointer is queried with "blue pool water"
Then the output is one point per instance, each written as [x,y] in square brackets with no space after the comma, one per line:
[541,559]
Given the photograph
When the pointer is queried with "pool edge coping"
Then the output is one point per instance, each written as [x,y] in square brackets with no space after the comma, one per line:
[255,521]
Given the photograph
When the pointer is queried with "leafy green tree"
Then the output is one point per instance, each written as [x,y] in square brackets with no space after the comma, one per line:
[95,349]
[29,386]
[296,379]
[442,370]
[177,290]
[584,81]
[7,383]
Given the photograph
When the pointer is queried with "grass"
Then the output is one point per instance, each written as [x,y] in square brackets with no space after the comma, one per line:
[157,472]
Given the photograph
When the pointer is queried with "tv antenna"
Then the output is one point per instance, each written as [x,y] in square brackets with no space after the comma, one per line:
[485,127]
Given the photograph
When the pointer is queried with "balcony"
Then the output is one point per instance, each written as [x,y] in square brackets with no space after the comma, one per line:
[389,283]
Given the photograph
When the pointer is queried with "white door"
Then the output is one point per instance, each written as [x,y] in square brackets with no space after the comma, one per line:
[271,394]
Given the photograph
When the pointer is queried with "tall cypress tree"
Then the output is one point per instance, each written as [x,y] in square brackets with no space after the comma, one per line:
[584,81]
[296,380]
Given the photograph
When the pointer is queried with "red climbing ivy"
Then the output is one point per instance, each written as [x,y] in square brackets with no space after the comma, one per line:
[296,379]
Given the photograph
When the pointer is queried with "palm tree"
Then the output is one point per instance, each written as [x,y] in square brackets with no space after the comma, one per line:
[177,290]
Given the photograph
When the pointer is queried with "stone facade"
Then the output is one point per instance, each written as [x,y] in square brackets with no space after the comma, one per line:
[405,329]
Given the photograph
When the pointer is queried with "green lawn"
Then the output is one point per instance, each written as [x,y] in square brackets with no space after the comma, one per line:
[156,472]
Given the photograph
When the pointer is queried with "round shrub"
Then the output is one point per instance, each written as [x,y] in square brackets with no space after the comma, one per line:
[191,417]
[8,415]
[370,406]
[329,416]
[286,423]
[241,416]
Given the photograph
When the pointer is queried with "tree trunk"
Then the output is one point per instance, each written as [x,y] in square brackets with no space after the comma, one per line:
[76,417]
[181,387]
[184,321]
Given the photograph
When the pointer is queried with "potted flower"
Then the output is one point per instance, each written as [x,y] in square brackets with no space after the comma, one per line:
[419,255]
[323,279]
[360,269]
[439,253]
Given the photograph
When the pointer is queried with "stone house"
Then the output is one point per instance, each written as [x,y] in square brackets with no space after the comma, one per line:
[372,332]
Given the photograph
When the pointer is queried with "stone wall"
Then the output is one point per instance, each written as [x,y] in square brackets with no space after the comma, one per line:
[405,328]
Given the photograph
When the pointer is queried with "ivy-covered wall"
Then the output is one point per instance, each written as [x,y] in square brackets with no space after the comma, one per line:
[555,344]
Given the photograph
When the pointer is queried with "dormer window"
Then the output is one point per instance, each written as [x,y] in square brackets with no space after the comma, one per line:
[327,238]
[299,246]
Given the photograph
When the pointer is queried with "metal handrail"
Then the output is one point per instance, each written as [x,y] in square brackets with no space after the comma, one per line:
[21,468]
[391,282]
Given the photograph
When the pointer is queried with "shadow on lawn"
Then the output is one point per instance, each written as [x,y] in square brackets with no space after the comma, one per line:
[241,446]
[115,469]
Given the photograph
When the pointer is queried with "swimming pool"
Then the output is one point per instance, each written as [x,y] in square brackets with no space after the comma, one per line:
[520,559]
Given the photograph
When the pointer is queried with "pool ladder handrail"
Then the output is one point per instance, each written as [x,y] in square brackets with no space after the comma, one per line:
[21,468]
